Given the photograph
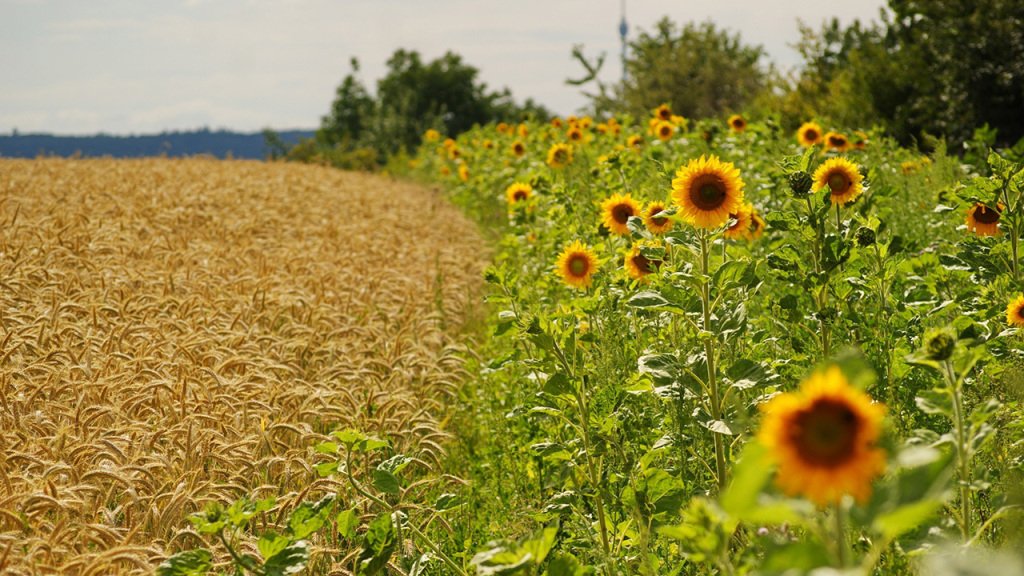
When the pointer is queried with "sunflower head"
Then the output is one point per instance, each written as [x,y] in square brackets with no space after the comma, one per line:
[836,141]
[524,131]
[518,193]
[559,156]
[557,122]
[809,134]
[654,223]
[635,141]
[638,266]
[823,439]
[740,222]
[576,265]
[616,211]
[1015,312]
[663,112]
[860,140]
[707,191]
[757,225]
[488,144]
[737,123]
[844,180]
[664,130]
[984,221]
[431,135]
[463,172]
[518,149]
[575,134]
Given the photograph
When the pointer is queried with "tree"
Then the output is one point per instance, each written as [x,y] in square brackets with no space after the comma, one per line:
[697,69]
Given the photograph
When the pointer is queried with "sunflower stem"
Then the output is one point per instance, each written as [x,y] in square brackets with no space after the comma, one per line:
[840,527]
[962,448]
[709,352]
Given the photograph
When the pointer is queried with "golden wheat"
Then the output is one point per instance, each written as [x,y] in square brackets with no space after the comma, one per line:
[179,331]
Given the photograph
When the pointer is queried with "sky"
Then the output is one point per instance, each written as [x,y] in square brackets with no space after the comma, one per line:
[143,66]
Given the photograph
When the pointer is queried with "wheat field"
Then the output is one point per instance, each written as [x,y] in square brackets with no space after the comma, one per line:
[174,332]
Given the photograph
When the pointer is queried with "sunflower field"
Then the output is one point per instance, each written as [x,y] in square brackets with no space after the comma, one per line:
[720,347]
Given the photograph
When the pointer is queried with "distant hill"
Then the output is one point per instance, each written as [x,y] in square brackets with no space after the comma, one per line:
[219,143]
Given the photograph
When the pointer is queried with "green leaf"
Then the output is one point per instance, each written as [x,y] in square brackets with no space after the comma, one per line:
[379,544]
[647,299]
[308,518]
[558,384]
[188,563]
[348,522]
[291,560]
[386,482]
[903,519]
[447,502]
[270,544]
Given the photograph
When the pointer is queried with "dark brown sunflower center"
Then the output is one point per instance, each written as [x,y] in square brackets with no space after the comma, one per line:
[839,183]
[811,135]
[645,264]
[826,433]
[518,148]
[657,221]
[755,224]
[738,123]
[575,135]
[561,156]
[519,195]
[986,215]
[578,265]
[666,130]
[664,114]
[708,192]
[1020,312]
[621,213]
[837,141]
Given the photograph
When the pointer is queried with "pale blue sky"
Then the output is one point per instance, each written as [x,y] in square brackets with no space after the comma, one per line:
[141,66]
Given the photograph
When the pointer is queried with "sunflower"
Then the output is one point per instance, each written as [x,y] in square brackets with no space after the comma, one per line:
[808,134]
[757,225]
[577,265]
[740,221]
[635,141]
[656,225]
[615,213]
[518,149]
[707,191]
[664,131]
[559,156]
[737,123]
[488,144]
[575,134]
[843,179]
[556,122]
[982,220]
[524,131]
[463,172]
[503,127]
[836,141]
[638,266]
[1015,312]
[586,122]
[663,112]
[860,140]
[518,192]
[431,135]
[823,439]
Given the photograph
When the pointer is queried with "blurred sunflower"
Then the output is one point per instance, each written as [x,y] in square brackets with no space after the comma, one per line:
[860,140]
[663,112]
[823,439]
[586,122]
[488,144]
[707,191]
[431,135]
[843,179]
[836,141]
[577,265]
[757,225]
[503,128]
[559,156]
[518,149]
[615,213]
[739,223]
[808,134]
[575,134]
[463,172]
[524,131]
[1015,312]
[655,224]
[635,141]
[737,123]
[638,266]
[664,131]
[518,192]
[984,221]
[556,122]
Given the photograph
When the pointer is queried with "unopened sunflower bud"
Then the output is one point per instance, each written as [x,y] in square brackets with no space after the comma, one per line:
[865,236]
[940,344]
[800,183]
